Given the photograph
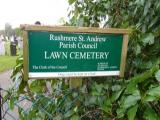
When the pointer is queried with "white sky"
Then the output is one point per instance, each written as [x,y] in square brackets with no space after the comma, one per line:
[18,12]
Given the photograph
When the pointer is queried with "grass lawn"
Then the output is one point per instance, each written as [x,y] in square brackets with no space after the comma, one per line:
[7,62]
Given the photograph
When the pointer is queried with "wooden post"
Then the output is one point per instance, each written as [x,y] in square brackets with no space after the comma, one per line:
[25,55]
[75,82]
[123,54]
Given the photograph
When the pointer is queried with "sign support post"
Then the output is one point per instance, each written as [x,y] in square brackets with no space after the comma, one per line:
[75,82]
[25,55]
[123,55]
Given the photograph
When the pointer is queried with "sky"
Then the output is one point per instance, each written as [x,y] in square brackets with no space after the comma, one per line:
[17,12]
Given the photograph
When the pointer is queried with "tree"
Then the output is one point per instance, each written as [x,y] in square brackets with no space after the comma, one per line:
[8,30]
[142,18]
[17,31]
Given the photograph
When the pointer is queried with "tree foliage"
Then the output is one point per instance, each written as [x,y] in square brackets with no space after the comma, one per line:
[142,18]
[8,30]
[136,96]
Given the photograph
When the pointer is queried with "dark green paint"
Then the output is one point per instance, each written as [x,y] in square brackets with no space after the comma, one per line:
[39,42]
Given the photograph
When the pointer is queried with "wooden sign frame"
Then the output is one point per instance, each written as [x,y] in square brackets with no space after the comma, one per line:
[27,28]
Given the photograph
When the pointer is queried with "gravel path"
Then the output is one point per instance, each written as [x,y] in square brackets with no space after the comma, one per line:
[5,81]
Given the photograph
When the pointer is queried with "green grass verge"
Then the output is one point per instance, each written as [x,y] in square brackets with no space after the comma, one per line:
[7,62]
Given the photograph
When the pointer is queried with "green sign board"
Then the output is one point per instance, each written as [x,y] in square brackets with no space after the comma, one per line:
[54,52]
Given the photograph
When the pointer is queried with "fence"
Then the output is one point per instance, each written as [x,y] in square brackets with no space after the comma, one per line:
[43,103]
[5,112]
